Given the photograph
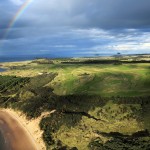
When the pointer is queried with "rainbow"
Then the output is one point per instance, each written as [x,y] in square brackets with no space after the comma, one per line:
[16,17]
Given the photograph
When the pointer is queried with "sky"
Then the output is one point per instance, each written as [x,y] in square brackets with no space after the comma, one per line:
[74,28]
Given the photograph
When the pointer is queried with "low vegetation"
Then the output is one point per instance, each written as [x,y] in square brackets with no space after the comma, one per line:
[91,106]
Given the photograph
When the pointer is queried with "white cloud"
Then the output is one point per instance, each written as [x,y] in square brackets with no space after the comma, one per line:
[63,46]
[130,47]
[17,2]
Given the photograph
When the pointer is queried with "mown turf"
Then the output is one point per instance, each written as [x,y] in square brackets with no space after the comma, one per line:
[104,80]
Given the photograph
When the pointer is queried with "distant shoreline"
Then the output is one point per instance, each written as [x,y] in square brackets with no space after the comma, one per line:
[2,69]
[4,59]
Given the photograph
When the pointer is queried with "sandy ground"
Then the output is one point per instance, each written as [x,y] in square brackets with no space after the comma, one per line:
[20,133]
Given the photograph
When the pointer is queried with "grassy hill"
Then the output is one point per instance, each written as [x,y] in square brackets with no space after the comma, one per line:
[91,106]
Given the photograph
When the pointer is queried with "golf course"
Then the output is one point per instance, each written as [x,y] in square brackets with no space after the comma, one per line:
[99,103]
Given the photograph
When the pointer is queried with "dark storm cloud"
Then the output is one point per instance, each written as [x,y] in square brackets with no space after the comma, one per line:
[106,14]
[96,13]
[120,14]
[82,13]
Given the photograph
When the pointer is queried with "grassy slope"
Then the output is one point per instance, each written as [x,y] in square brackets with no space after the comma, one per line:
[69,125]
[98,79]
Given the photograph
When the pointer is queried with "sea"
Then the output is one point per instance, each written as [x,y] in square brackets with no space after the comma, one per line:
[31,57]
[2,142]
[2,70]
[16,58]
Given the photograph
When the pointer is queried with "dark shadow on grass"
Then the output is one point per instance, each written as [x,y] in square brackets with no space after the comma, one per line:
[138,141]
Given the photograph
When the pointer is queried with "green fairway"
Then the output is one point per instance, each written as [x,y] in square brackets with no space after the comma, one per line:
[104,80]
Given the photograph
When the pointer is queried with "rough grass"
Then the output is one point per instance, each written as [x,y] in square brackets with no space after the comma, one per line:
[87,99]
[104,80]
[98,79]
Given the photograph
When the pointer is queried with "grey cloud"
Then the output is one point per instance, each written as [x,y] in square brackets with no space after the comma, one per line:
[93,26]
[96,13]
[106,14]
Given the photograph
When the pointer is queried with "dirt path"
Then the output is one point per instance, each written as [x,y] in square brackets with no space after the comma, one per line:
[16,136]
